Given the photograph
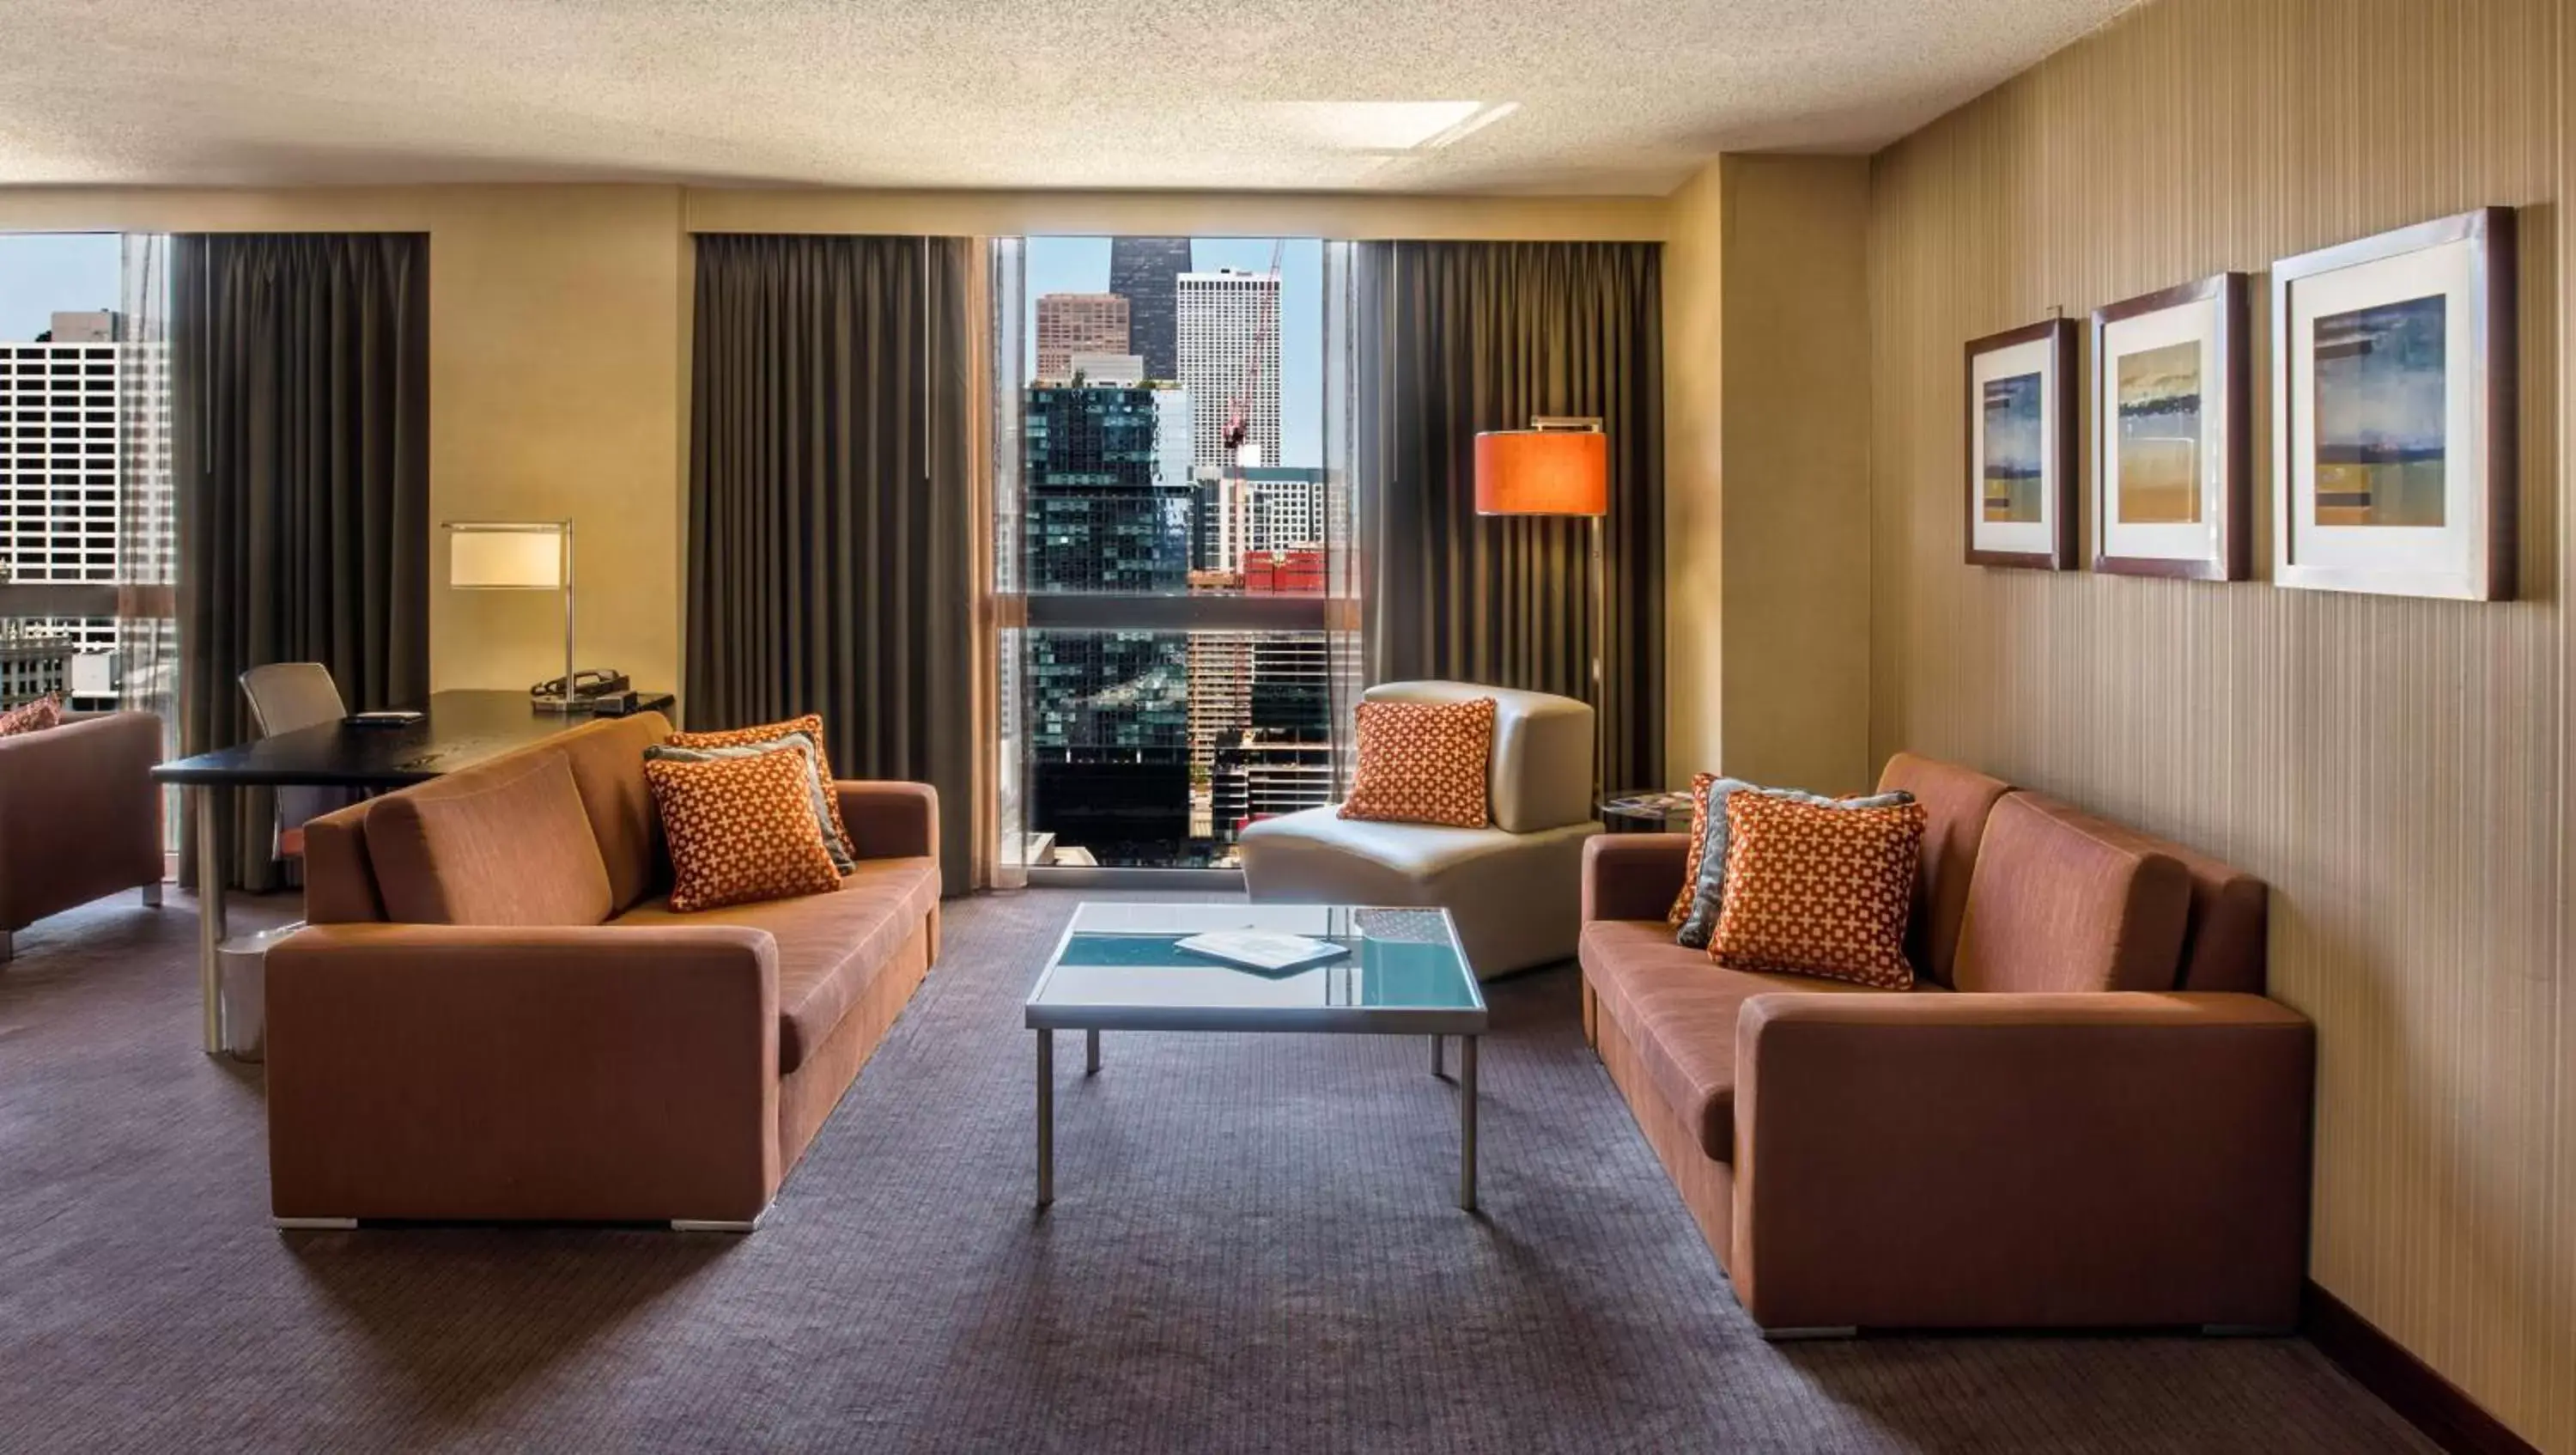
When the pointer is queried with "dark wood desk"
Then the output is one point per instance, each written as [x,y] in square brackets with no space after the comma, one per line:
[457,730]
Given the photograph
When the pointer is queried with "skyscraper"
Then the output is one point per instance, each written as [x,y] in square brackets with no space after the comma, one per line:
[1077,323]
[1108,712]
[1229,340]
[1146,272]
[63,425]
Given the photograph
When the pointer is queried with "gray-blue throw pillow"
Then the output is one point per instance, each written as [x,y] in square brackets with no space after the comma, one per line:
[1708,897]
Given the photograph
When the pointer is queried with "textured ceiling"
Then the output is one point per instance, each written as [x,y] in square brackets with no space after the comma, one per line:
[1574,96]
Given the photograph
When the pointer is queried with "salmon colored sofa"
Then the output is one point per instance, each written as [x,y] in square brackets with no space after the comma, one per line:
[80,817]
[494,1014]
[2085,1112]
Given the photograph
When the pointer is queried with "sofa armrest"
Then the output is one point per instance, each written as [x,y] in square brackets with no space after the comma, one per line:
[593,1073]
[1632,876]
[889,820]
[1992,1160]
[80,816]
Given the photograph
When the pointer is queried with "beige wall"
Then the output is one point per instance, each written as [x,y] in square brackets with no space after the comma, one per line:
[2397,769]
[1766,358]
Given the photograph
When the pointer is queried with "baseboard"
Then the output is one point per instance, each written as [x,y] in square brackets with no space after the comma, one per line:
[2406,1384]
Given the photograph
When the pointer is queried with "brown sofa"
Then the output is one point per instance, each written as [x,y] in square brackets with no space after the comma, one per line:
[2085,1113]
[80,817]
[494,1015]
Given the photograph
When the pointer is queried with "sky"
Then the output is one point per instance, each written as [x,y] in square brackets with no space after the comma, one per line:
[1081,265]
[43,273]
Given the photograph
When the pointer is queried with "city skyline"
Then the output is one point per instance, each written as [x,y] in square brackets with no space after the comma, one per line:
[1071,264]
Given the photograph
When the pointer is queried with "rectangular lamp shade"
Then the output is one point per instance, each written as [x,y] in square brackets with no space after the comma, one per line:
[1542,472]
[526,560]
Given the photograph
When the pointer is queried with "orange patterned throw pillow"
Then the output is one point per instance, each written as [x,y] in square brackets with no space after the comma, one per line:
[740,830]
[1423,762]
[1818,891]
[811,725]
[33,717]
[1699,840]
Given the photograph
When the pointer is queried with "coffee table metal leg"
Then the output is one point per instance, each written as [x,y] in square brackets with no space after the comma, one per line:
[1046,1117]
[1091,1053]
[1467,1122]
[1439,1059]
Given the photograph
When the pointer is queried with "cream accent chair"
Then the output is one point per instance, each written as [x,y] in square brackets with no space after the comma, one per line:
[1515,889]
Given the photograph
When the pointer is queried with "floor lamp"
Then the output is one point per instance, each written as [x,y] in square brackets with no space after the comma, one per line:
[1558,466]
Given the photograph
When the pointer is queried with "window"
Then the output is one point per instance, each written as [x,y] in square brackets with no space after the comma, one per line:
[86,513]
[1176,537]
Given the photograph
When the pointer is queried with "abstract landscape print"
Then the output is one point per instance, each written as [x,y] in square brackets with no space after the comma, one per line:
[2381,414]
[2159,435]
[2014,458]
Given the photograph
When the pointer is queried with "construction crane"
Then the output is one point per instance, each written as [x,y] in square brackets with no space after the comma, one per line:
[1265,333]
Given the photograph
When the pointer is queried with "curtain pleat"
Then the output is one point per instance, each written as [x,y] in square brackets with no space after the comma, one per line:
[1458,337]
[300,449]
[832,505]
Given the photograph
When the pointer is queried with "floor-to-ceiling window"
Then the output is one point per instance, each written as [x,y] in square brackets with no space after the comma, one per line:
[84,448]
[1175,539]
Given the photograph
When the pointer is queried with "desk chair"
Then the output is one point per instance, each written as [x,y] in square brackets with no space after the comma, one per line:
[285,696]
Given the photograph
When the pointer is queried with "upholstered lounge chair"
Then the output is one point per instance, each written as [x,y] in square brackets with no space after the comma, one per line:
[1514,888]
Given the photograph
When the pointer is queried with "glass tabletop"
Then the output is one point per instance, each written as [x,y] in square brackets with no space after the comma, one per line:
[1120,966]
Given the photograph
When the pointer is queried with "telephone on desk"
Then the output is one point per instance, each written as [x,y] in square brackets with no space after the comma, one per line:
[591,687]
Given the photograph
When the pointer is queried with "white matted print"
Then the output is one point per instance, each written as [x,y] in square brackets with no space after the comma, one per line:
[2169,388]
[2020,430]
[2393,412]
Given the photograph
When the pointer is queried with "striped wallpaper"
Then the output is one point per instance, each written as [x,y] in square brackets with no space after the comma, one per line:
[2396,768]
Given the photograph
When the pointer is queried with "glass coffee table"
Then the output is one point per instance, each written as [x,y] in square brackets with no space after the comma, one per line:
[1120,967]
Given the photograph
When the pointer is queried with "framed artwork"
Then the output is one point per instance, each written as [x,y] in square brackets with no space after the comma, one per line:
[2173,455]
[2393,412]
[2020,487]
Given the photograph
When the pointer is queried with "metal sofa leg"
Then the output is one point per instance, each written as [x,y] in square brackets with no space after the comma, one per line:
[152,895]
[703,1225]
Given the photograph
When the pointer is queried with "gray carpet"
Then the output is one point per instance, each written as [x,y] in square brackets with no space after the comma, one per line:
[1254,1248]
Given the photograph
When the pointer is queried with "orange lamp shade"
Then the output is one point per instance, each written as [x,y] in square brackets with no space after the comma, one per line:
[1542,472]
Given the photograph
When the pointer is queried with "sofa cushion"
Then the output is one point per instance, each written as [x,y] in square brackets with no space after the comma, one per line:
[1705,889]
[741,830]
[2226,945]
[1955,803]
[811,725]
[503,844]
[1819,889]
[830,946]
[1679,1011]
[1423,762]
[817,791]
[1695,857]
[2064,901]
[32,717]
[607,760]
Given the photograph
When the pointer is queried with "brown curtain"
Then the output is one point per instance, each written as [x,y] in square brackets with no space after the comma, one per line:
[833,502]
[300,450]
[1456,337]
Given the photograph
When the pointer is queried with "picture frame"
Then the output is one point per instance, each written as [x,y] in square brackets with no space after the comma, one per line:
[2393,416]
[2018,490]
[2173,458]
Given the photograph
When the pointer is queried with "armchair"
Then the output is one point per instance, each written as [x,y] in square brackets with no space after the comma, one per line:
[1514,888]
